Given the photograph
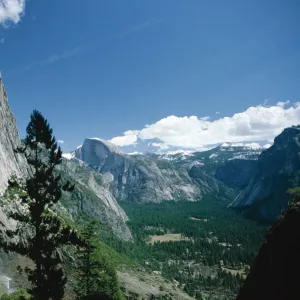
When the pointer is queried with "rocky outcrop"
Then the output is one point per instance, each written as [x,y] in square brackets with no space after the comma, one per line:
[277,169]
[275,272]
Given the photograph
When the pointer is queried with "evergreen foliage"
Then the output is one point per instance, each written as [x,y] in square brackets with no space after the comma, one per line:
[212,232]
[40,232]
[95,272]
[295,201]
[19,295]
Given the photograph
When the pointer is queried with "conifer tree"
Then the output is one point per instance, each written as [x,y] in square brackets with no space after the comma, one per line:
[36,213]
[88,267]
[95,272]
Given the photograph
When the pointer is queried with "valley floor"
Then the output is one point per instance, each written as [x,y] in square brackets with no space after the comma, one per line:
[204,259]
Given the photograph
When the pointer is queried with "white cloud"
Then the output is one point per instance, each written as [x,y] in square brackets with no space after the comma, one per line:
[282,104]
[11,11]
[129,138]
[217,112]
[162,146]
[61,141]
[255,124]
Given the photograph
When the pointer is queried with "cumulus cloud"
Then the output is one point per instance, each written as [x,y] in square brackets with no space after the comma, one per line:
[258,123]
[61,141]
[162,146]
[11,11]
[129,138]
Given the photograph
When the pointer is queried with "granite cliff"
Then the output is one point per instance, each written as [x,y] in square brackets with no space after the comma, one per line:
[236,173]
[277,169]
[10,162]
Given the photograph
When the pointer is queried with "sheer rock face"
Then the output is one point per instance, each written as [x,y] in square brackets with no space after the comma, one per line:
[277,169]
[236,173]
[10,162]
[93,197]
[139,177]
[275,272]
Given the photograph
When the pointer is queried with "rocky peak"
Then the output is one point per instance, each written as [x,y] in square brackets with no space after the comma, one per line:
[101,155]
[288,137]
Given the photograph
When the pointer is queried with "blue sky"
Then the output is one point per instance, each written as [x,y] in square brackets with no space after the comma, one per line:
[99,68]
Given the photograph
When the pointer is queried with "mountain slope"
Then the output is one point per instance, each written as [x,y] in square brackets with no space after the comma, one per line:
[277,169]
[10,162]
[212,159]
[274,274]
[236,173]
[92,198]
[153,177]
[138,177]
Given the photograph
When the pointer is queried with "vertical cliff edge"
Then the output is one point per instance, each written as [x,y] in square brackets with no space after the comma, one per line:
[10,162]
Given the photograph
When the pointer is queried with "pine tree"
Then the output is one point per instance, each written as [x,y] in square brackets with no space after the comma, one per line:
[36,212]
[88,267]
[95,272]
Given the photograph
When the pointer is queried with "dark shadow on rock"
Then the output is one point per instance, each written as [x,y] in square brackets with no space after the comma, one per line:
[275,274]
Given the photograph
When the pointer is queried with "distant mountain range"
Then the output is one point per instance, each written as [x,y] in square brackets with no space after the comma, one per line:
[214,156]
[154,177]
[153,146]
[259,174]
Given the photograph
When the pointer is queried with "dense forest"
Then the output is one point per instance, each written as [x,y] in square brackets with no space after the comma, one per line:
[213,253]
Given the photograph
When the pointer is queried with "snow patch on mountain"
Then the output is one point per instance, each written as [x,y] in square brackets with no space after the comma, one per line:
[135,153]
[252,146]
[213,155]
